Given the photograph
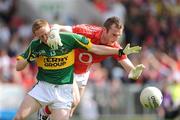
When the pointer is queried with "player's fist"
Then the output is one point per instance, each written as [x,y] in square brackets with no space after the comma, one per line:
[129,50]
[54,40]
[136,72]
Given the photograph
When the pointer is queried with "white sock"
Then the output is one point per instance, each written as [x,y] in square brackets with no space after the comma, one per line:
[43,112]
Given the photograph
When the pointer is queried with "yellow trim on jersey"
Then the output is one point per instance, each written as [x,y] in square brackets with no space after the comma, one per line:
[56,62]
[29,53]
[88,46]
[19,58]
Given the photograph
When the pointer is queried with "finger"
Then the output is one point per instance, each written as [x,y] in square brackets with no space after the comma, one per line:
[137,48]
[52,46]
[140,68]
[134,51]
[127,46]
[60,44]
[141,65]
[55,47]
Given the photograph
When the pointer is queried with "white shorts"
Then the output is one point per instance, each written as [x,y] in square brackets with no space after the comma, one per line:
[82,79]
[55,96]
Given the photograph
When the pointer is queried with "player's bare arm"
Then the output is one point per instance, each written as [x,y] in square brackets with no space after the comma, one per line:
[62,28]
[127,64]
[21,64]
[55,29]
[103,50]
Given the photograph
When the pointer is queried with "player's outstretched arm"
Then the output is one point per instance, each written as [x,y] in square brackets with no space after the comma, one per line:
[105,50]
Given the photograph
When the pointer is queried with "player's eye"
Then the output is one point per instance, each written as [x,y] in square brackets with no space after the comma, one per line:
[41,37]
[115,35]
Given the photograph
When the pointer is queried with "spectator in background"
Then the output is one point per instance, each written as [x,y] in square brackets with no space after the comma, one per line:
[7,9]
[168,110]
[5,34]
[102,90]
[5,61]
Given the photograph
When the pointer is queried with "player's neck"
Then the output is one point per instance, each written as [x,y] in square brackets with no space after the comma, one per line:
[102,38]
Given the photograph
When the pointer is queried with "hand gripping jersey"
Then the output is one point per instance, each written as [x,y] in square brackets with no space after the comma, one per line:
[56,66]
[83,58]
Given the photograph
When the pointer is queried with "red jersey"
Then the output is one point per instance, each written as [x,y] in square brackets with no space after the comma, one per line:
[83,58]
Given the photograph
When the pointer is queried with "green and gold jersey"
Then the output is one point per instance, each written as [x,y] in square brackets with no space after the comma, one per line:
[56,66]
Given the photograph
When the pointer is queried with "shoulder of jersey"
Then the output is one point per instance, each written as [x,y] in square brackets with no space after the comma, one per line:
[36,42]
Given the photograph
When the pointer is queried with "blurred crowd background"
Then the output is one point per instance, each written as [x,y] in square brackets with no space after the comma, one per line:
[152,24]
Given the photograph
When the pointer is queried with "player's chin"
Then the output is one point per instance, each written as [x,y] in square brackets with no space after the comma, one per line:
[44,41]
[110,44]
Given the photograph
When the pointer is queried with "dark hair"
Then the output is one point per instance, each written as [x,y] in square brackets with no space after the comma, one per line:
[113,20]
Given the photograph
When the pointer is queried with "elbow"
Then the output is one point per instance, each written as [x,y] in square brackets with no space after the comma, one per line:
[99,53]
[18,69]
[95,49]
[96,52]
[20,65]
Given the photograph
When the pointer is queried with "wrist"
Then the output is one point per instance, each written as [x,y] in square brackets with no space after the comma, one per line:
[120,52]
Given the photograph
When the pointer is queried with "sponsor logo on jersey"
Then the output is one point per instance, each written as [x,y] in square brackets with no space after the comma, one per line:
[88,57]
[56,62]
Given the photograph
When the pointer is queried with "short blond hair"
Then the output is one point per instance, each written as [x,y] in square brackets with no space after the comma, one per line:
[38,23]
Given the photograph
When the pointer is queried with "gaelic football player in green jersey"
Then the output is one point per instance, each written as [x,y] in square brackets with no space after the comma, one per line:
[55,70]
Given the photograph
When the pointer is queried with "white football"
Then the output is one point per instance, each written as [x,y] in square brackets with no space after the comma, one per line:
[151,97]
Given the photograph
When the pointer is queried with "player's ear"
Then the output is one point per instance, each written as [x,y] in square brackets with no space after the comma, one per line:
[33,35]
[105,30]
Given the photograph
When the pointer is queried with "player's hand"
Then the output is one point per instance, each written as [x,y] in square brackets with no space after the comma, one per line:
[136,72]
[129,50]
[32,56]
[54,40]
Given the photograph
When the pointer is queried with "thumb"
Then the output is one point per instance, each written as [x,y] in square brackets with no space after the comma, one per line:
[136,48]
[127,46]
[60,43]
[140,66]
